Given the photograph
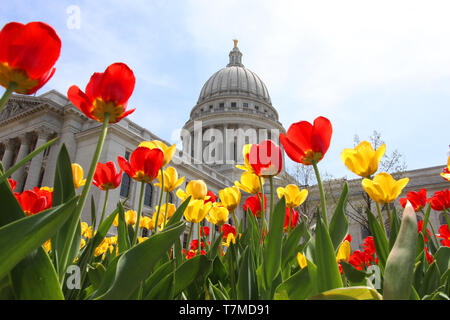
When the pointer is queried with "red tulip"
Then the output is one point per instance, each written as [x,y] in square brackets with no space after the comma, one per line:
[306,143]
[348,238]
[429,256]
[12,183]
[105,92]
[33,202]
[144,164]
[106,176]
[265,158]
[226,229]
[194,244]
[204,231]
[357,259]
[418,199]
[212,197]
[369,250]
[28,53]
[294,215]
[440,200]
[420,229]
[254,204]
[444,234]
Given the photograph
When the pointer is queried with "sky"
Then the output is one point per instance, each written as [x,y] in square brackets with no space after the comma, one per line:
[366,66]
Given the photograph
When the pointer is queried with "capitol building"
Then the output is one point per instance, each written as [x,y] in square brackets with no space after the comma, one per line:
[233,108]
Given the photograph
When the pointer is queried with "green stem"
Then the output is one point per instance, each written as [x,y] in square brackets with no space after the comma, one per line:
[322,194]
[189,238]
[167,205]
[138,220]
[388,210]
[104,207]
[263,209]
[160,200]
[7,94]
[446,217]
[199,247]
[236,222]
[380,216]
[271,195]
[83,197]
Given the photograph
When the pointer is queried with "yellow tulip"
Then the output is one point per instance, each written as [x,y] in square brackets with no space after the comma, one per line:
[130,218]
[230,197]
[195,188]
[293,195]
[86,231]
[49,189]
[48,245]
[197,210]
[170,210]
[168,151]
[145,222]
[141,239]
[218,214]
[82,243]
[171,181]
[249,183]
[363,160]
[78,172]
[247,166]
[383,188]
[230,238]
[301,259]
[343,251]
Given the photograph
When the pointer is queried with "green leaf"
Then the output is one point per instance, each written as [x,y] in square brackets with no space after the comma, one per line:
[395,227]
[380,240]
[325,259]
[247,286]
[163,290]
[22,236]
[63,190]
[350,293]
[96,274]
[35,278]
[123,240]
[339,223]
[297,287]
[272,253]
[431,280]
[290,247]
[399,272]
[135,264]
[156,276]
[11,209]
[178,213]
[355,276]
[191,271]
[442,258]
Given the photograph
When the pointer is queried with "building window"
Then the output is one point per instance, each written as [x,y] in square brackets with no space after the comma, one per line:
[210,107]
[185,236]
[170,195]
[256,107]
[126,181]
[144,232]
[233,105]
[245,105]
[222,105]
[148,195]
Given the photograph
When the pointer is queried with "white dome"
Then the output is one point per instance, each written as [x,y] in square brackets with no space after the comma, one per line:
[237,81]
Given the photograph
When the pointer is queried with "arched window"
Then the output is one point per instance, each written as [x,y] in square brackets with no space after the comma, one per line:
[126,181]
[170,197]
[148,195]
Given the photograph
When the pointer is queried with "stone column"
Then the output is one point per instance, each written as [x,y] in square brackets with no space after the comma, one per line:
[23,151]
[225,141]
[34,170]
[8,154]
